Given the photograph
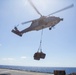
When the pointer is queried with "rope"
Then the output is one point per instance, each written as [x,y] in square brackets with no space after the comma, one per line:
[40,48]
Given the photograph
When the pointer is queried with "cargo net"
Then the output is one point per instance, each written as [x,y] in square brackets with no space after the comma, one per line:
[39,54]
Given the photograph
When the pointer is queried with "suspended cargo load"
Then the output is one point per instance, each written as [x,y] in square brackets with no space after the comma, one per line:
[37,56]
[42,55]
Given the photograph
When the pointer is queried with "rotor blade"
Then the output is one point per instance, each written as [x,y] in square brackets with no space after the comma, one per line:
[29,21]
[62,9]
[34,7]
[26,22]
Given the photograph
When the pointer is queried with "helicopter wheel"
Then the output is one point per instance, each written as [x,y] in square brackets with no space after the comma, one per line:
[50,28]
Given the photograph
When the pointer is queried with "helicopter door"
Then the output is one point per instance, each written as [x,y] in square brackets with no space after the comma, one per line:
[34,23]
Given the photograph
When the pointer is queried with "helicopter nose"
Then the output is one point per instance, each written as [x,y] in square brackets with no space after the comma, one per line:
[61,19]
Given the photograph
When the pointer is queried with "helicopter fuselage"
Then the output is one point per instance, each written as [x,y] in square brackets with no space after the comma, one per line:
[38,24]
[43,22]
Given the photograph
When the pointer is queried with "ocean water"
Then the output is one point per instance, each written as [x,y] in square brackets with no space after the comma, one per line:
[68,70]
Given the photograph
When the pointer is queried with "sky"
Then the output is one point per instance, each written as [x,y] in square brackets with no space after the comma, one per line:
[59,44]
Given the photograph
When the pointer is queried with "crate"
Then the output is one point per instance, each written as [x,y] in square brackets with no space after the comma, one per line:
[59,72]
[37,56]
[42,55]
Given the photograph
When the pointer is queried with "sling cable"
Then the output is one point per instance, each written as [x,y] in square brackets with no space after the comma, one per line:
[39,54]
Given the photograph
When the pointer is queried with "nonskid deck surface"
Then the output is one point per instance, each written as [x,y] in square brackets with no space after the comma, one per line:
[18,72]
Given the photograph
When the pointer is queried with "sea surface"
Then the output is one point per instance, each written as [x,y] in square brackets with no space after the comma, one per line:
[68,70]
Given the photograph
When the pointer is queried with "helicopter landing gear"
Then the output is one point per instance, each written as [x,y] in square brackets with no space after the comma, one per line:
[61,19]
[39,54]
[50,28]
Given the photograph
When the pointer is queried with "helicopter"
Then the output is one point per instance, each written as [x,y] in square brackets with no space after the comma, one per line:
[42,22]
